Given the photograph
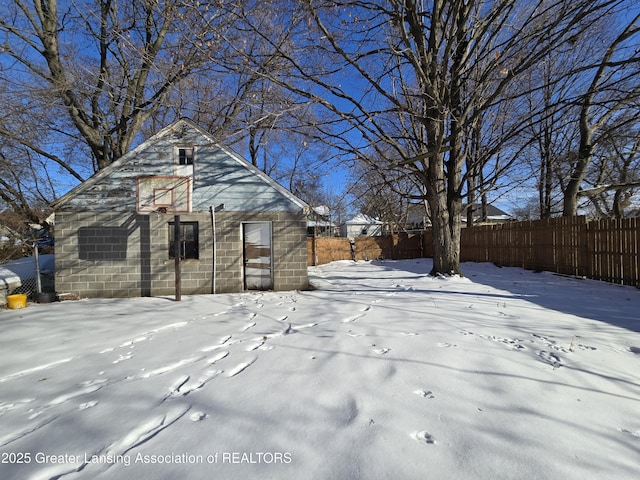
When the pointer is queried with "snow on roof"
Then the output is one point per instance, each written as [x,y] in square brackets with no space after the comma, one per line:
[322,210]
[362,219]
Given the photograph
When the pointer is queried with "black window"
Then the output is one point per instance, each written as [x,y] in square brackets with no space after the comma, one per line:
[185,156]
[188,240]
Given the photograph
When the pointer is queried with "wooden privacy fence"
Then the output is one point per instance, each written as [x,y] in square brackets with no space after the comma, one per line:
[601,249]
[604,250]
[328,249]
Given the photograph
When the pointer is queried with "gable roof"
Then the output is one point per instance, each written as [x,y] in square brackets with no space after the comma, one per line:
[178,129]
[362,219]
[493,212]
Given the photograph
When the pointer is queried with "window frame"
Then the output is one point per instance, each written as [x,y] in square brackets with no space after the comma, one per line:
[191,253]
[185,155]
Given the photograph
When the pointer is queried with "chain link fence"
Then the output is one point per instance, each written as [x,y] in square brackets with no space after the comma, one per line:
[19,268]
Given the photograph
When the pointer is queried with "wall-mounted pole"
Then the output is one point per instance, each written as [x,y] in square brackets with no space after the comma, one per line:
[177,240]
[213,211]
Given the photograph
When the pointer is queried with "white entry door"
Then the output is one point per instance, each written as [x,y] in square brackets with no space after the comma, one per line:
[256,239]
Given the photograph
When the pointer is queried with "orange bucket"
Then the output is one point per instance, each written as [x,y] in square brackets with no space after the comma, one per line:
[17,300]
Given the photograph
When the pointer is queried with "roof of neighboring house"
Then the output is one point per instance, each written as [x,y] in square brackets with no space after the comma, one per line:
[493,213]
[322,210]
[362,219]
[220,176]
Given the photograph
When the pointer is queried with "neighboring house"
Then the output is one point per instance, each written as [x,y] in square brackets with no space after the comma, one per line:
[361,226]
[417,218]
[319,222]
[494,214]
[238,229]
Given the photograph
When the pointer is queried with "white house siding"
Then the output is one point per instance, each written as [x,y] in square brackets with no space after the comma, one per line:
[359,224]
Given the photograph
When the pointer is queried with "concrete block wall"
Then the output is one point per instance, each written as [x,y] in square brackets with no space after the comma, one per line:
[121,254]
[289,249]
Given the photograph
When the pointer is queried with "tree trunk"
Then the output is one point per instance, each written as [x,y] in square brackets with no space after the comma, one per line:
[446,222]
[446,242]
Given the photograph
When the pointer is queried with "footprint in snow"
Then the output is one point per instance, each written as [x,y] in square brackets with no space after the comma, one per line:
[408,334]
[135,340]
[34,414]
[447,345]
[174,389]
[172,366]
[184,385]
[212,348]
[283,318]
[122,358]
[6,406]
[86,405]
[248,326]
[550,358]
[424,437]
[197,416]
[424,393]
[353,318]
[635,434]
[216,358]
[255,345]
[307,325]
[94,381]
[241,367]
[71,395]
[356,334]
[145,431]
[382,351]
[221,344]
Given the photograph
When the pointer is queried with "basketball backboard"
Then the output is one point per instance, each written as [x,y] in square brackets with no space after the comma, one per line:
[165,194]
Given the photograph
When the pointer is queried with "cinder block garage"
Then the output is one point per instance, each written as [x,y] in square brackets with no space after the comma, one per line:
[237,230]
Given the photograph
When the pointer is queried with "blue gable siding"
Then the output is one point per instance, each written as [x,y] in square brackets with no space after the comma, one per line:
[220,176]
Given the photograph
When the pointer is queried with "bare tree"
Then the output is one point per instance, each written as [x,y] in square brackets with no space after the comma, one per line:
[107,65]
[410,79]
[390,195]
[550,135]
[612,89]
[614,174]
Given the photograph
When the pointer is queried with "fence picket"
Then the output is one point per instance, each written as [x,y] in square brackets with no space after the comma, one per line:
[604,250]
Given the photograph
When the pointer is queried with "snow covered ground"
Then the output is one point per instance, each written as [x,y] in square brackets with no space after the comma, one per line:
[381,372]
